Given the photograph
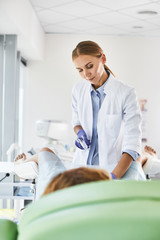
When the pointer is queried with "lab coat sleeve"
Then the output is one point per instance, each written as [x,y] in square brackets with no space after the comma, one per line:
[75,117]
[132,123]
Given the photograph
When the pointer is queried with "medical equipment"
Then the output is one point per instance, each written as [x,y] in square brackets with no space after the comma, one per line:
[57,136]
[52,130]
[82,141]
[81,144]
[11,189]
[26,170]
[7,175]
[14,147]
[11,186]
[32,151]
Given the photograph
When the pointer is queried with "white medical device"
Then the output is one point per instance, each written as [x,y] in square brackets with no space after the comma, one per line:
[58,136]
[52,130]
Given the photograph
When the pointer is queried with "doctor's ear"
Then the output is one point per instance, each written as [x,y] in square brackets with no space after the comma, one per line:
[103,58]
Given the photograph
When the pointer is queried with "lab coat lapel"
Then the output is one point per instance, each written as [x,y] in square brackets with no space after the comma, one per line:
[89,110]
[109,87]
[108,90]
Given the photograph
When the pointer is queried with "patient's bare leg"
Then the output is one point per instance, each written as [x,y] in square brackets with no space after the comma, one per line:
[22,158]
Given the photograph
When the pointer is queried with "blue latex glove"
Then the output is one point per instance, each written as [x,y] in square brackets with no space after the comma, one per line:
[113,176]
[82,141]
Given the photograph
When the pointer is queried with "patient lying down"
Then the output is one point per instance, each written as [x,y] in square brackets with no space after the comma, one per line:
[76,176]
[52,174]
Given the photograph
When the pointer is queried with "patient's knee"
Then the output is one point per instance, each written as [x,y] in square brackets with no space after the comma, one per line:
[46,149]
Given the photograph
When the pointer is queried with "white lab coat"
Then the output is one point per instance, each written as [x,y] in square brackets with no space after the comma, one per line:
[118,123]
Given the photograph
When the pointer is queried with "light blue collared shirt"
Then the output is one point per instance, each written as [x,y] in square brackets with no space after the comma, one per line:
[97,97]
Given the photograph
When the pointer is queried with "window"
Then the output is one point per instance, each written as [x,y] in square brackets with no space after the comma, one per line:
[10,94]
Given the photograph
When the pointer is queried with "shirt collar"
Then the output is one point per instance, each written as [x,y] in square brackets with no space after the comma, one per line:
[101,88]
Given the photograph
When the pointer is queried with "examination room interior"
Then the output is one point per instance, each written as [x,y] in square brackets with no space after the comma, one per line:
[46,32]
[131,46]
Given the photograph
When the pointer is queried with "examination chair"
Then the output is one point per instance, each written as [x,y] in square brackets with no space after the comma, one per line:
[123,210]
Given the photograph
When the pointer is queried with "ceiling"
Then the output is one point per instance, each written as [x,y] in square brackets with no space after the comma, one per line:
[99,17]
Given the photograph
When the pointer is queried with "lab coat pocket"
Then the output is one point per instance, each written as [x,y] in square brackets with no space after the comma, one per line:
[113,124]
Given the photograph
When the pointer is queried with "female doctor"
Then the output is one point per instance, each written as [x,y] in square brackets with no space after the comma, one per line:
[105,116]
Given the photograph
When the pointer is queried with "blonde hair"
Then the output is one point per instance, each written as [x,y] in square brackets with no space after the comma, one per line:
[76,176]
[88,48]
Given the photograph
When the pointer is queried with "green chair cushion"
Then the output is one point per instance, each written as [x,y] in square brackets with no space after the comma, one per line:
[8,230]
[107,210]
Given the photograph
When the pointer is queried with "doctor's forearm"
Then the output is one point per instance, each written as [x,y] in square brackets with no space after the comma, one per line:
[77,128]
[122,165]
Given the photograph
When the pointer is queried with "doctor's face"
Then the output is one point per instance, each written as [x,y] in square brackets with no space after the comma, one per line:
[92,69]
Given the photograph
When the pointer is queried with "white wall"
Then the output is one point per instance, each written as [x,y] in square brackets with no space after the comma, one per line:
[18,17]
[49,82]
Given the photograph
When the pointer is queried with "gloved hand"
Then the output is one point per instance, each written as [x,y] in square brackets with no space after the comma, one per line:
[82,141]
[113,176]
